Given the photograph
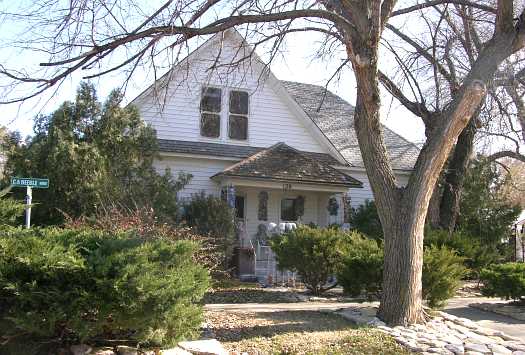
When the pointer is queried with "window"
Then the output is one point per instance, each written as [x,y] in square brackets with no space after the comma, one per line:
[288,210]
[239,207]
[211,112]
[238,118]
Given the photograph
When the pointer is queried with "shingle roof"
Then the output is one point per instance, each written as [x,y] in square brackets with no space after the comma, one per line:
[227,150]
[335,117]
[283,163]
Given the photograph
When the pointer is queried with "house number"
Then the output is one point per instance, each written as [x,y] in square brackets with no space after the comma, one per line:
[287,187]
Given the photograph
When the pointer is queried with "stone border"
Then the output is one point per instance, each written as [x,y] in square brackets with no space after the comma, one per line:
[443,334]
[503,308]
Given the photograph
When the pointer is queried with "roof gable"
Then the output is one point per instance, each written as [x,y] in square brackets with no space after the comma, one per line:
[278,118]
[284,163]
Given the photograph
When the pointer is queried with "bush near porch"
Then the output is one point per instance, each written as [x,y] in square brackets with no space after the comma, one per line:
[67,285]
[212,217]
[314,253]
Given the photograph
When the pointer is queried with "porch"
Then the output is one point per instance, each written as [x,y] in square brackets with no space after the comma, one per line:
[277,189]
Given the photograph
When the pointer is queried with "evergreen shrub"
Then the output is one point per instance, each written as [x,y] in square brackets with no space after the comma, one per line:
[82,284]
[442,272]
[362,267]
[504,280]
[314,253]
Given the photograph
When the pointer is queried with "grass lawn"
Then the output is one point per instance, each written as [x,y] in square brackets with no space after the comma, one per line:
[297,332]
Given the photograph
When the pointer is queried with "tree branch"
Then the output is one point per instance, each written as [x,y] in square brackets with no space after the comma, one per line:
[506,154]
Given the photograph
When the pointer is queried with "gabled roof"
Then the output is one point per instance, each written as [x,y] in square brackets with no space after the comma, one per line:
[281,162]
[228,150]
[335,117]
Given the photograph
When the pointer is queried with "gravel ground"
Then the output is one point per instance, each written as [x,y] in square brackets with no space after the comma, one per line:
[296,332]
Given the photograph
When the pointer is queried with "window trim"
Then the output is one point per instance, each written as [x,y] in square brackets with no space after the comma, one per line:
[247,115]
[218,113]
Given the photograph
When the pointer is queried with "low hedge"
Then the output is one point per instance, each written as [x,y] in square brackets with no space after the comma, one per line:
[504,280]
[362,271]
[82,284]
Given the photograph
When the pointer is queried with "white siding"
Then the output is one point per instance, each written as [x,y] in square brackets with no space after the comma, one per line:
[174,112]
[201,169]
[358,196]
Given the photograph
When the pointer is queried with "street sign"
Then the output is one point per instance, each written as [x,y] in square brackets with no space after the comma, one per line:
[30,182]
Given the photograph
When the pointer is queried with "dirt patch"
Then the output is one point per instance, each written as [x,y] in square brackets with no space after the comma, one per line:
[249,295]
[297,332]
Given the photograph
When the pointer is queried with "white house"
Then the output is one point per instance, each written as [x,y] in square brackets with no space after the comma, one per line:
[279,151]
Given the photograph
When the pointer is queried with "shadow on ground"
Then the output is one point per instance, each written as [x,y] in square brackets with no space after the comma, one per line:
[229,326]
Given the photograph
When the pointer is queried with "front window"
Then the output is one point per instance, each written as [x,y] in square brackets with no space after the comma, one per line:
[211,112]
[238,117]
[288,209]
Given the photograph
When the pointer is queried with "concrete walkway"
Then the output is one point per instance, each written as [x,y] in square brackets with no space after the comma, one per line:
[278,307]
[460,307]
[456,306]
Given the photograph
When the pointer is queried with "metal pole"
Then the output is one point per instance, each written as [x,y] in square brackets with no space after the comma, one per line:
[28,207]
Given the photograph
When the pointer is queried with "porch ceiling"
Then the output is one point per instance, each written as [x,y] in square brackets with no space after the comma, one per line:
[283,164]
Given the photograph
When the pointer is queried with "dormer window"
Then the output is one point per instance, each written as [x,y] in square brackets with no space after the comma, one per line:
[238,115]
[211,112]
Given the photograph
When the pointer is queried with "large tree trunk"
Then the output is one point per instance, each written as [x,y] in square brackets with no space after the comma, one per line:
[455,177]
[401,302]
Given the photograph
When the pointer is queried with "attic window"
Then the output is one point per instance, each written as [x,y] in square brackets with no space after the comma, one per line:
[211,112]
[238,118]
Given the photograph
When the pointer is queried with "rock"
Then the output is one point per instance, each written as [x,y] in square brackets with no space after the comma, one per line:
[509,338]
[429,336]
[480,348]
[456,349]
[439,351]
[80,349]
[518,353]
[514,346]
[499,349]
[175,351]
[204,347]
[473,353]
[451,339]
[126,350]
[103,351]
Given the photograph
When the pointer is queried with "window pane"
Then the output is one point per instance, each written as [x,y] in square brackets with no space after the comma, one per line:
[239,102]
[211,99]
[238,127]
[288,210]
[210,125]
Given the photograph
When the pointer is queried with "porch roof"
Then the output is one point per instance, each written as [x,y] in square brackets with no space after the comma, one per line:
[281,162]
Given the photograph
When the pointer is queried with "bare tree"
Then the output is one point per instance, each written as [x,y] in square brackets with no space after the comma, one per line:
[86,34]
[431,68]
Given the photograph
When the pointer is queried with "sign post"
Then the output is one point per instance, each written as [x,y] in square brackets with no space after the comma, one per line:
[29,184]
[29,196]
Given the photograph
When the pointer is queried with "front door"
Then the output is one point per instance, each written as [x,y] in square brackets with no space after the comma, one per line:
[240,219]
